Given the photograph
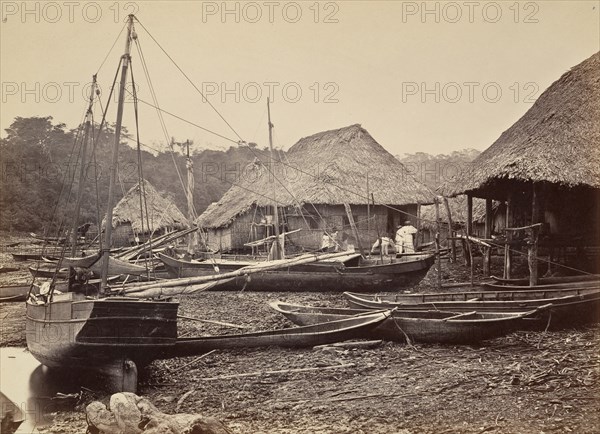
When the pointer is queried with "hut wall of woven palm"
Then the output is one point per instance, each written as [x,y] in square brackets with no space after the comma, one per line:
[328,168]
[556,141]
[162,212]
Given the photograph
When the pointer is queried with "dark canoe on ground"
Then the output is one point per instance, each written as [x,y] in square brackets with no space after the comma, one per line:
[425,326]
[296,337]
[33,256]
[549,280]
[47,271]
[357,274]
[566,285]
[13,293]
[581,306]
[8,269]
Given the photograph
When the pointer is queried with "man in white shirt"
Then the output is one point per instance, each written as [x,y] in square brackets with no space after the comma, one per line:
[405,238]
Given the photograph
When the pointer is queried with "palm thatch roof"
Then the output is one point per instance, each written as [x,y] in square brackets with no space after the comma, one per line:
[458,210]
[557,140]
[329,168]
[162,212]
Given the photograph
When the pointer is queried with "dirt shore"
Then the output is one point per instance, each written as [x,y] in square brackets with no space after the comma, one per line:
[527,382]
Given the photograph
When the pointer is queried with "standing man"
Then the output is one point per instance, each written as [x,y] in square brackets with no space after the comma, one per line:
[405,238]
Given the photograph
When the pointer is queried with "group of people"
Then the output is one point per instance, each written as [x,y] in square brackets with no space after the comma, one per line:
[403,241]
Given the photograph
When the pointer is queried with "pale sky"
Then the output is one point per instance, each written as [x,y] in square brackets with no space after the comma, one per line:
[382,64]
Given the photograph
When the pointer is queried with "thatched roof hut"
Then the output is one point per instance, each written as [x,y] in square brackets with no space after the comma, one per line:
[557,140]
[162,212]
[328,168]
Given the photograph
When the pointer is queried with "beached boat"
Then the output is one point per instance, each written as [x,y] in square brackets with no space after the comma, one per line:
[48,271]
[13,293]
[111,335]
[355,274]
[549,280]
[548,286]
[426,326]
[575,306]
[316,334]
[34,255]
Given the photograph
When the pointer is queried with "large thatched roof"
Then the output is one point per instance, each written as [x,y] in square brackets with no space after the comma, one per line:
[330,168]
[557,140]
[162,213]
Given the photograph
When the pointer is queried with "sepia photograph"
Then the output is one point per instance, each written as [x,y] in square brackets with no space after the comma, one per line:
[312,216]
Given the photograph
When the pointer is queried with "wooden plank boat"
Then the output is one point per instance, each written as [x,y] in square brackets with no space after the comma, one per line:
[425,326]
[574,307]
[366,275]
[13,293]
[549,280]
[8,269]
[193,268]
[567,285]
[111,335]
[316,334]
[32,256]
[48,271]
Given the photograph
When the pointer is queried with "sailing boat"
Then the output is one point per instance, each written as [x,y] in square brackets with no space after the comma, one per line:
[110,335]
[127,327]
[337,274]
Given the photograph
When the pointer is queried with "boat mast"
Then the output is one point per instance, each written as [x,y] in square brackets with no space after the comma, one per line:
[115,157]
[88,117]
[193,237]
[277,253]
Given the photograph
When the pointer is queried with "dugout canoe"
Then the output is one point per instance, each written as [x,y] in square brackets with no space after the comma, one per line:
[356,274]
[296,337]
[574,307]
[424,326]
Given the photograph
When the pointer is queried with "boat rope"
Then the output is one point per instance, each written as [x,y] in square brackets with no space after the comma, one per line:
[159,112]
[112,47]
[141,182]
[189,80]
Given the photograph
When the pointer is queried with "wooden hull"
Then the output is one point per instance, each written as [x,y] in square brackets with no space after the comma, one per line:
[419,326]
[74,332]
[326,276]
[565,310]
[549,286]
[14,293]
[46,272]
[549,280]
[33,256]
[309,336]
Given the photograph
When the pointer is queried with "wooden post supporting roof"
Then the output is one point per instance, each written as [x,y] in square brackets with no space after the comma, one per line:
[437,243]
[507,246]
[354,228]
[469,214]
[487,252]
[450,231]
[533,242]
[469,257]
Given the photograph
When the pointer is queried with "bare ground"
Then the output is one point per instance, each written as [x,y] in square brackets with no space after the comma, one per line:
[525,382]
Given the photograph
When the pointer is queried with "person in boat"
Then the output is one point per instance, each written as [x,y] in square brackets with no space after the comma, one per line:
[385,243]
[405,238]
